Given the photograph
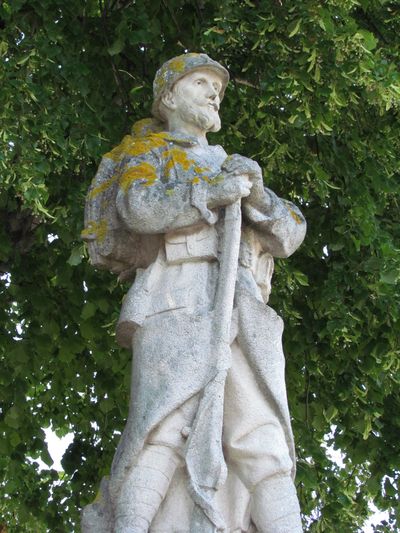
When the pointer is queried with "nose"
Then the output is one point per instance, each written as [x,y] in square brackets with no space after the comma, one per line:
[212,91]
[213,95]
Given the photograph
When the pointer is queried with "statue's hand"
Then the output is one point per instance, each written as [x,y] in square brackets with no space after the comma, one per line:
[227,188]
[238,164]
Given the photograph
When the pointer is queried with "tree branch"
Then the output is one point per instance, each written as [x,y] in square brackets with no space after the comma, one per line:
[167,7]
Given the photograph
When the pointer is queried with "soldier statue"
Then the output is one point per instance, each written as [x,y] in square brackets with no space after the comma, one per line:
[208,444]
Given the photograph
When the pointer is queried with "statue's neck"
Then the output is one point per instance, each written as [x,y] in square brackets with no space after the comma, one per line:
[190,130]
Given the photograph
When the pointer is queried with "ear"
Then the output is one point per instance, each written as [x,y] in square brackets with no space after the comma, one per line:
[168,100]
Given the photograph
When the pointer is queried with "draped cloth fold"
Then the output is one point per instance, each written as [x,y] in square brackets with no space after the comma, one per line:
[205,462]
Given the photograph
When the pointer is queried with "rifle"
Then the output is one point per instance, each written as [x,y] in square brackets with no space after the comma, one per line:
[207,476]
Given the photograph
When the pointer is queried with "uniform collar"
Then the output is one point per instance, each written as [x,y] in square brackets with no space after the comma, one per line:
[178,138]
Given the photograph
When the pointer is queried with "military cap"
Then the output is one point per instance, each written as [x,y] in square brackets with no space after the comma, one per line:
[176,68]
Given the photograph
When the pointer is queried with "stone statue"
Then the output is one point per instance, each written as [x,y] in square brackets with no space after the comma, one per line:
[208,444]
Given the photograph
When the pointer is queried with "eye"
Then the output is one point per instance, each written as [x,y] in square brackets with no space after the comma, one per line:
[200,81]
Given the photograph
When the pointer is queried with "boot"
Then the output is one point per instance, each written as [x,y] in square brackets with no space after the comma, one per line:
[275,507]
[144,488]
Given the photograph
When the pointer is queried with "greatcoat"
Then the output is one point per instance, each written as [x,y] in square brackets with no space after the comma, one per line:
[167,315]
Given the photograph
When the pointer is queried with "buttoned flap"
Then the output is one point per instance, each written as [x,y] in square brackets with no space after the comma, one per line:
[194,244]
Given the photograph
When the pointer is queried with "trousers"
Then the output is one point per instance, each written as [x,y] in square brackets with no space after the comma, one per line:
[254,448]
[253,439]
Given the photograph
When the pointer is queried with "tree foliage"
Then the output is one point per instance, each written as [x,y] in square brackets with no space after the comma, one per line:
[314,98]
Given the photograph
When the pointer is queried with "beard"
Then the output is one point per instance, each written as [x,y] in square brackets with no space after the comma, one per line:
[204,117]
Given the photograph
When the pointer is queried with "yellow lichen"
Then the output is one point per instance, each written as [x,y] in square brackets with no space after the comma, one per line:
[101,188]
[164,135]
[201,170]
[295,216]
[178,64]
[141,145]
[199,178]
[178,157]
[116,152]
[136,146]
[145,145]
[169,165]
[144,127]
[95,230]
[143,171]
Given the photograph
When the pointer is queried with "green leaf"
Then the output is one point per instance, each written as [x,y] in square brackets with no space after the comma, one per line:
[294,27]
[46,457]
[25,58]
[89,310]
[390,276]
[106,405]
[117,46]
[335,247]
[301,278]
[12,418]
[76,256]
[330,413]
[3,48]
[14,438]
[370,41]
[65,354]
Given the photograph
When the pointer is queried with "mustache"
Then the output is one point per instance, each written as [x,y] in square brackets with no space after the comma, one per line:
[203,116]
[206,105]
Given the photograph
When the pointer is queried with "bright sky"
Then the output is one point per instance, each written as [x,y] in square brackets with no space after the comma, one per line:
[56,447]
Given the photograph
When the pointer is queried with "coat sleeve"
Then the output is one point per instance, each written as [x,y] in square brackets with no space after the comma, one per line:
[280,226]
[147,203]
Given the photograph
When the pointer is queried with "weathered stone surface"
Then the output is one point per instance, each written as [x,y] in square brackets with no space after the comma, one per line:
[208,444]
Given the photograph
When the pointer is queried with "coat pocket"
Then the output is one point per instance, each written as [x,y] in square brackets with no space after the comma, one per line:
[196,244]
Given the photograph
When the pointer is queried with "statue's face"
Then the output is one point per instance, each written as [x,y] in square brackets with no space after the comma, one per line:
[196,99]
